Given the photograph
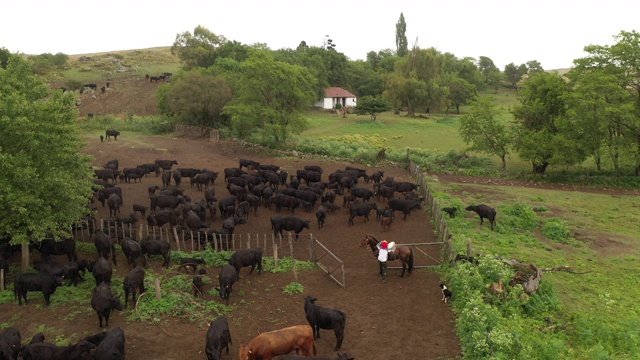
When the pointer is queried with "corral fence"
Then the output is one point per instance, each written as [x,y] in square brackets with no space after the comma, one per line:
[447,252]
[189,241]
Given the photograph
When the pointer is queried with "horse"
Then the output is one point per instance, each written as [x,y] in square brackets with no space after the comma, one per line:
[402,253]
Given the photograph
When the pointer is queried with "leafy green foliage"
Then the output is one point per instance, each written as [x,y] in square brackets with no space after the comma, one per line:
[556,230]
[286,265]
[39,150]
[371,105]
[211,257]
[152,125]
[517,215]
[482,129]
[293,288]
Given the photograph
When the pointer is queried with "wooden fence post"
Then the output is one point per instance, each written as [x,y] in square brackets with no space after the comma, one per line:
[175,236]
[312,250]
[156,284]
[1,279]
[275,255]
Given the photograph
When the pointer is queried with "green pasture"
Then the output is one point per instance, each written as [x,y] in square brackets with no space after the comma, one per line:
[595,234]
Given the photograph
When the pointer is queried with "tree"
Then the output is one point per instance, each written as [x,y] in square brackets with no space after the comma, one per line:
[197,99]
[542,102]
[199,49]
[46,180]
[534,67]
[372,105]
[402,45]
[513,74]
[484,131]
[460,92]
[4,57]
[271,96]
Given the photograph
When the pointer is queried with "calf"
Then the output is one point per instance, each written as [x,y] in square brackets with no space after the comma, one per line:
[451,211]
[112,346]
[198,284]
[404,205]
[191,262]
[484,211]
[218,338]
[10,339]
[324,318]
[46,351]
[46,283]
[230,223]
[166,164]
[321,215]
[103,301]
[279,342]
[227,278]
[166,178]
[140,208]
[247,257]
[132,282]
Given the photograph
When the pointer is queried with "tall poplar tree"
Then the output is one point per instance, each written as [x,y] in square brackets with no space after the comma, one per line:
[402,46]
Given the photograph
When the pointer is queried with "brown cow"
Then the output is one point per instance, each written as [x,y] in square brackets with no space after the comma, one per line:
[280,342]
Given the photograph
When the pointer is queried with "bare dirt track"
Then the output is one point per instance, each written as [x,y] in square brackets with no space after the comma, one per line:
[400,319]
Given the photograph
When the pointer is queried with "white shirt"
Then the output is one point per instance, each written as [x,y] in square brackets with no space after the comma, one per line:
[383,254]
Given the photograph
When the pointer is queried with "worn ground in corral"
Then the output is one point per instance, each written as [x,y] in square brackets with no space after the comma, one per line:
[401,319]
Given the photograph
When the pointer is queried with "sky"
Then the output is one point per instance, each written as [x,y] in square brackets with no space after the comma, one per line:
[551,32]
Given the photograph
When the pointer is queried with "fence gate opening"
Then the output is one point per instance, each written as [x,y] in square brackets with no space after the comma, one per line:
[327,261]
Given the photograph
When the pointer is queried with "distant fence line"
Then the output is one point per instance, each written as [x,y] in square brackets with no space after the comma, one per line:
[434,210]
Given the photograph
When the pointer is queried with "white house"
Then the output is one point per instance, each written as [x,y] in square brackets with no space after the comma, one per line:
[336,95]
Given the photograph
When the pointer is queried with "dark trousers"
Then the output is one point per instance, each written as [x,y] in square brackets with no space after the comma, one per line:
[383,268]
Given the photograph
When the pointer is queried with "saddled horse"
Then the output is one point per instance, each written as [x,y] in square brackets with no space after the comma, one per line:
[401,252]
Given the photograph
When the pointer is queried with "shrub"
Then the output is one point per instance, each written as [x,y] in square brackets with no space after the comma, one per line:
[293,288]
[556,230]
[517,215]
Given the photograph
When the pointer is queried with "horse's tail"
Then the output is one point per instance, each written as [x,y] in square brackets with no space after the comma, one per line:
[410,260]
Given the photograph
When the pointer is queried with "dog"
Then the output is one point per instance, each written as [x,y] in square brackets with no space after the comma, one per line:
[446,293]
[101,138]
[451,211]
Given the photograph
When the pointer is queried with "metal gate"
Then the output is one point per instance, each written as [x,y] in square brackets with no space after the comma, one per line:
[327,261]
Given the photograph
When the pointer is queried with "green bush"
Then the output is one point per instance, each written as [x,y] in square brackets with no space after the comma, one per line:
[293,288]
[556,230]
[516,215]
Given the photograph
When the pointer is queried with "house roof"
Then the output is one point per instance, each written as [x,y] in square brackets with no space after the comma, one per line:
[337,92]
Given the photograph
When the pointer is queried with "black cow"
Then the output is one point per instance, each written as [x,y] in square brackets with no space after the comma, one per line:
[159,218]
[102,271]
[315,168]
[166,178]
[112,164]
[230,223]
[189,172]
[47,351]
[134,173]
[177,178]
[404,186]
[151,168]
[228,277]
[132,282]
[308,176]
[166,164]
[324,318]
[49,247]
[197,282]
[155,247]
[111,133]
[404,205]
[104,245]
[114,202]
[248,164]
[103,301]
[289,223]
[131,250]
[218,338]
[321,215]
[361,209]
[140,208]
[362,193]
[45,283]
[484,211]
[112,346]
[165,201]
[385,192]
[12,339]
[70,271]
[282,200]
[106,174]
[247,257]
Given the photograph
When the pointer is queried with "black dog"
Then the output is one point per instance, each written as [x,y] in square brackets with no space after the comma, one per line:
[101,138]
[451,211]
[446,293]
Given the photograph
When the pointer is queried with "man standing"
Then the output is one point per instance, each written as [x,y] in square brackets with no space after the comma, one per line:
[383,255]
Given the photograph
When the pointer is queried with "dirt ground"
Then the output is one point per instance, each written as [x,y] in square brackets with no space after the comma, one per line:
[400,319]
